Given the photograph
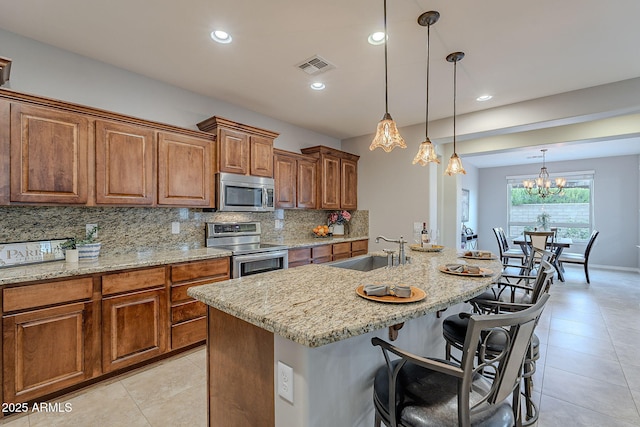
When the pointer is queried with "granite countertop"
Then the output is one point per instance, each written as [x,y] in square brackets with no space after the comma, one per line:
[316,304]
[104,263]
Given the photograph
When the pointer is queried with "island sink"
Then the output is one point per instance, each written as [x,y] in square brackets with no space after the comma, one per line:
[361,263]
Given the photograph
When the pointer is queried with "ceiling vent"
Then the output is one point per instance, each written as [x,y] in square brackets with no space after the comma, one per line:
[315,65]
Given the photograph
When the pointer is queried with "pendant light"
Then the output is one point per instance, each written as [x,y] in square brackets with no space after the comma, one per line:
[387,135]
[427,151]
[455,164]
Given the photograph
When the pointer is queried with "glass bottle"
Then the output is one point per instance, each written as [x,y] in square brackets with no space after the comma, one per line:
[424,236]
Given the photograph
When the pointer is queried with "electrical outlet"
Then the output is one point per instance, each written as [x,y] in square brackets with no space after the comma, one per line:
[285,382]
[175,227]
[90,227]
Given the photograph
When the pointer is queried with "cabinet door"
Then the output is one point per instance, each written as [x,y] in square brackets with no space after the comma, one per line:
[285,181]
[46,350]
[5,120]
[349,184]
[261,157]
[134,328]
[330,182]
[184,170]
[125,172]
[233,155]
[48,155]
[307,194]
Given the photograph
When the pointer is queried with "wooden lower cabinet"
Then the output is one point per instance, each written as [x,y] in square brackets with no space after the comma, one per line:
[133,328]
[134,320]
[46,349]
[359,247]
[326,253]
[188,316]
[341,251]
[299,256]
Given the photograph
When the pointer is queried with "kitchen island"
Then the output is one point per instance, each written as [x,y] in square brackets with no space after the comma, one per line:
[311,319]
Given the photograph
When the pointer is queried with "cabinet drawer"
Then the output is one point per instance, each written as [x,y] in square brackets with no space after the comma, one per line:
[189,332]
[359,246]
[323,251]
[132,280]
[299,255]
[187,311]
[341,249]
[216,268]
[40,295]
[179,292]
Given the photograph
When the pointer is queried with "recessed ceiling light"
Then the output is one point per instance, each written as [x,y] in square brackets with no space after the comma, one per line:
[484,98]
[221,36]
[317,86]
[376,38]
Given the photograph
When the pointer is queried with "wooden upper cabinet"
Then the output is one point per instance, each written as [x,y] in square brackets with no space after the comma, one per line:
[49,150]
[261,157]
[241,149]
[307,194]
[285,175]
[330,182]
[184,170]
[295,180]
[348,184]
[233,154]
[125,164]
[5,150]
[337,177]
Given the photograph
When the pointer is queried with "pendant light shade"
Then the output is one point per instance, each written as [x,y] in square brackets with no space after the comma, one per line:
[427,151]
[387,135]
[455,164]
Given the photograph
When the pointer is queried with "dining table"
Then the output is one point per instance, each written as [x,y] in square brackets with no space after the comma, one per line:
[558,245]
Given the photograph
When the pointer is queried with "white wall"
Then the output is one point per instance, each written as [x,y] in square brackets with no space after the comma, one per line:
[44,70]
[616,205]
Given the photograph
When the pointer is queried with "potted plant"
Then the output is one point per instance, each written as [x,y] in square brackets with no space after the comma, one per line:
[88,248]
[544,221]
[337,220]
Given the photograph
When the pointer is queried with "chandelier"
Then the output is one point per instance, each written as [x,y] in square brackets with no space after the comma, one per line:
[541,186]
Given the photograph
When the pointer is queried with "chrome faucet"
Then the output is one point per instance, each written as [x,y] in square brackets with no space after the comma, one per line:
[402,259]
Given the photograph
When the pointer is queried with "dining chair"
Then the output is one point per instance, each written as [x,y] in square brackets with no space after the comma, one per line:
[503,247]
[542,240]
[414,391]
[576,258]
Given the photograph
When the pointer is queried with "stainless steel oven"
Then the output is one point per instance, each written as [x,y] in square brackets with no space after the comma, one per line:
[244,193]
[249,256]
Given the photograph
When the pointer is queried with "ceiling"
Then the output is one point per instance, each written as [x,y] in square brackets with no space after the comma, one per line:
[515,50]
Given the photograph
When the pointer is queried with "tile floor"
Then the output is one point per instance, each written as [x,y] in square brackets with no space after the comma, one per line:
[588,373]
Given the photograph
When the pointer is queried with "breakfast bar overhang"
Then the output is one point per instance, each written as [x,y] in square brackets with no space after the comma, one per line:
[311,319]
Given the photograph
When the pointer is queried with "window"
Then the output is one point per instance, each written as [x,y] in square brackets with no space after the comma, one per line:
[571,212]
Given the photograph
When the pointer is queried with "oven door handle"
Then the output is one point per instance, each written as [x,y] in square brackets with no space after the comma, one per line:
[261,256]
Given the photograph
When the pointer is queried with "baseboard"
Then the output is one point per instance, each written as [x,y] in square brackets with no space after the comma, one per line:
[612,267]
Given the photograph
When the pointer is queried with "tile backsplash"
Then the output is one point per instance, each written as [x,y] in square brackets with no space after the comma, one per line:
[130,230]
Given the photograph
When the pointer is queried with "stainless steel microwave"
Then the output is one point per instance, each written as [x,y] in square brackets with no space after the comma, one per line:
[244,193]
